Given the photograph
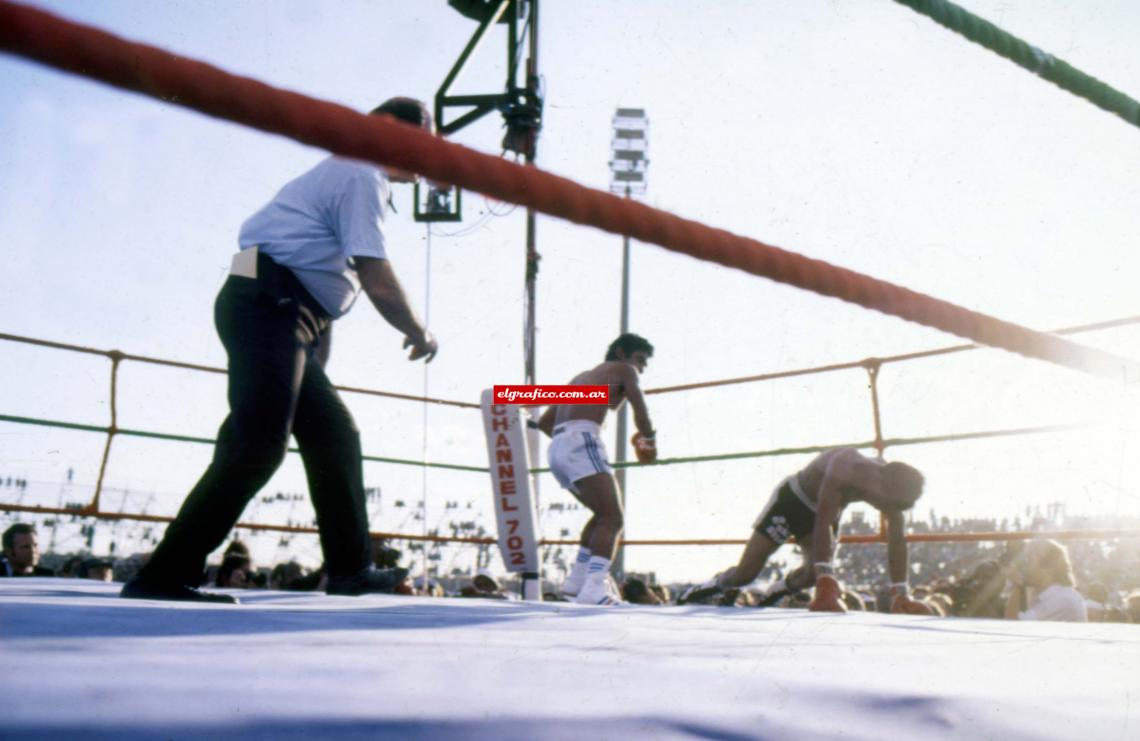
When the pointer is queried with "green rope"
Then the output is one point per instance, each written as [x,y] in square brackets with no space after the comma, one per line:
[50,423]
[866,444]
[401,461]
[892,442]
[737,456]
[206,440]
[1044,65]
[895,442]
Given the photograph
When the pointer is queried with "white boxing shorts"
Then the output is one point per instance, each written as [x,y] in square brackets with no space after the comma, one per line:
[576,451]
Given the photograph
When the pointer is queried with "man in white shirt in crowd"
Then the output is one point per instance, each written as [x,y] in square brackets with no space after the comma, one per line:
[1042,576]
[304,258]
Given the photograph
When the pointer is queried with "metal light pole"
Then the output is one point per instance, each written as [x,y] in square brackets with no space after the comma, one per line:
[521,107]
[628,169]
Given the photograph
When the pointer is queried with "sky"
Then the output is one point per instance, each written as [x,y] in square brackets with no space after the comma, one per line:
[862,134]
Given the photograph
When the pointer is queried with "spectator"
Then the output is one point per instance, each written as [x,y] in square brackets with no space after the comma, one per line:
[312,581]
[288,576]
[747,599]
[432,589]
[70,567]
[98,569]
[236,548]
[127,568]
[1096,601]
[868,600]
[384,556]
[234,573]
[795,601]
[979,594]
[942,603]
[1132,604]
[637,593]
[720,597]
[1115,615]
[853,601]
[22,552]
[1043,567]
[486,586]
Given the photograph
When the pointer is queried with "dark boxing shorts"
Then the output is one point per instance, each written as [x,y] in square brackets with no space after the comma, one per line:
[785,515]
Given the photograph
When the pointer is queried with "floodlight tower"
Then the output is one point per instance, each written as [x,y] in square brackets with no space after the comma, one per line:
[520,103]
[628,169]
[521,108]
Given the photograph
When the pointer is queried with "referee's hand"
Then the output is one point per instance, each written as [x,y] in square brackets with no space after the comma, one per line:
[425,348]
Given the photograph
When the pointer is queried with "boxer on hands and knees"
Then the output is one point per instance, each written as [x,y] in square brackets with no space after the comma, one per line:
[807,505]
[577,459]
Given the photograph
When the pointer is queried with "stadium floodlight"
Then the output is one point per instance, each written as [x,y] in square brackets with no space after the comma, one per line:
[629,163]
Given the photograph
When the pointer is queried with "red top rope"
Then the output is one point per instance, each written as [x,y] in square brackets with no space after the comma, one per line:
[145,69]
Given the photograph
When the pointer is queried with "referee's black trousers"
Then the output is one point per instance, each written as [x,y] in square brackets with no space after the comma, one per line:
[276,386]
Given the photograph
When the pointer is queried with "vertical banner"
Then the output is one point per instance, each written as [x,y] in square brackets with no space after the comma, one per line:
[510,486]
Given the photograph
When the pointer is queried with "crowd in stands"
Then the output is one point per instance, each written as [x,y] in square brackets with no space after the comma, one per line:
[1094,580]
[972,579]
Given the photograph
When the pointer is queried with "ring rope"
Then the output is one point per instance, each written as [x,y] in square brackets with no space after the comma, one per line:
[1041,63]
[113,354]
[87,51]
[112,429]
[878,444]
[843,539]
[208,441]
[869,362]
[774,452]
[863,444]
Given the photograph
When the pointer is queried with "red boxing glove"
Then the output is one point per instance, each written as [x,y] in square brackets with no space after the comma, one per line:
[907,605]
[828,596]
[644,447]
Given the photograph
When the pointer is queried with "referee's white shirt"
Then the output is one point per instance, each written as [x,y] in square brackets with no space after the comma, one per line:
[318,222]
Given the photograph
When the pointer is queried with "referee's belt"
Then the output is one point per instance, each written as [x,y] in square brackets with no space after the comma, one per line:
[274,279]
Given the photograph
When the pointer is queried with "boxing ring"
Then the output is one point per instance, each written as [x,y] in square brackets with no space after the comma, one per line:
[300,666]
[877,443]
[82,663]
[184,82]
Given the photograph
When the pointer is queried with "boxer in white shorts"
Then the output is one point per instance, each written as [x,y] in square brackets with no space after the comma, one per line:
[577,451]
[578,461]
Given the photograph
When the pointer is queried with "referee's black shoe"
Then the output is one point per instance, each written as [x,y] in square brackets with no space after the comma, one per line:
[370,580]
[700,592]
[140,589]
